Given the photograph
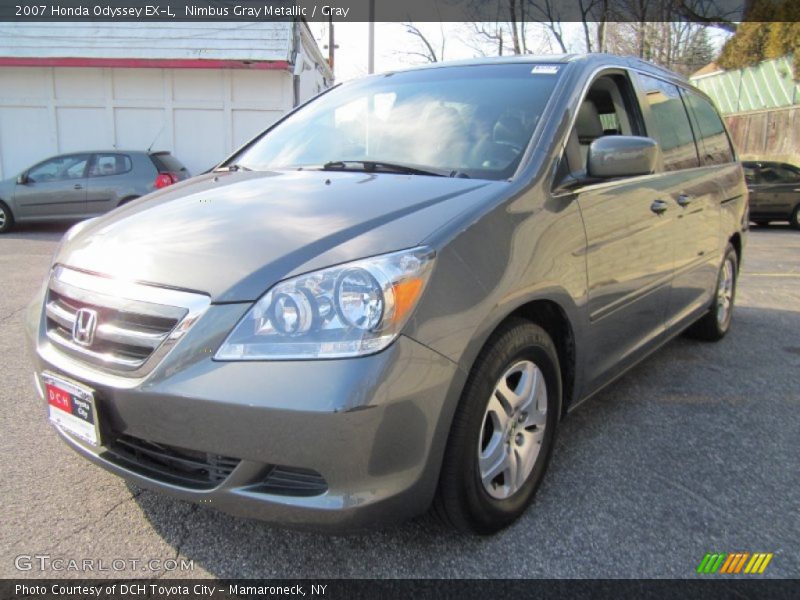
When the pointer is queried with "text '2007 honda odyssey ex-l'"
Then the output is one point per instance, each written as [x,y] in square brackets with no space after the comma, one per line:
[388,300]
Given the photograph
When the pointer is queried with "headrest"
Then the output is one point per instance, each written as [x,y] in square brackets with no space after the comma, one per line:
[588,123]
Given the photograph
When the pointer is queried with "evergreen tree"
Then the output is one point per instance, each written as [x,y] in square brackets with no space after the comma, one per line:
[772,30]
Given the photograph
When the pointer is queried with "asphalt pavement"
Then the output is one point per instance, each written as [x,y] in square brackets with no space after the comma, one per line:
[696,450]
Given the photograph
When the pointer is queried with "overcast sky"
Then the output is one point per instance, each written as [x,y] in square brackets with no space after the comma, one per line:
[393,44]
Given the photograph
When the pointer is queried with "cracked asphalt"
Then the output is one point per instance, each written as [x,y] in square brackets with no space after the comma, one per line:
[695,450]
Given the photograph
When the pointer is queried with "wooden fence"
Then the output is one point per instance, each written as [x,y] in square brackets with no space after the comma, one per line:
[767,134]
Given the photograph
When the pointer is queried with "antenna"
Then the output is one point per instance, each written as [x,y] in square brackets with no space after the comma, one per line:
[160,131]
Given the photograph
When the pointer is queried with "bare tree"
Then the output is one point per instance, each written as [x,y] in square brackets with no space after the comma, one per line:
[518,27]
[549,14]
[677,45]
[593,15]
[428,52]
[486,39]
[656,30]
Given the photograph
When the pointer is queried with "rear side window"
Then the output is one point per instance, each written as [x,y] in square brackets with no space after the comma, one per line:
[671,122]
[165,162]
[105,165]
[711,136]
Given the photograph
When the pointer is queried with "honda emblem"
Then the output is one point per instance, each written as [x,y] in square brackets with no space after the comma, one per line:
[84,327]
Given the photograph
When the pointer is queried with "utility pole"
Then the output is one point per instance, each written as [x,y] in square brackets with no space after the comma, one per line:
[331,45]
[371,50]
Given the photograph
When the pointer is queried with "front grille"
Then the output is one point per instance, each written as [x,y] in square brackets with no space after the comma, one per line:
[169,464]
[132,324]
[292,481]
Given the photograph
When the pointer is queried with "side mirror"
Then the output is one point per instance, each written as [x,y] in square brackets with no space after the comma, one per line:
[622,156]
[22,179]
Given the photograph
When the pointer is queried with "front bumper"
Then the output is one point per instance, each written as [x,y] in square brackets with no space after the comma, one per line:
[374,428]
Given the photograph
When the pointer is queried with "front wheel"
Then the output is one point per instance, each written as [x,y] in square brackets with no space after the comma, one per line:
[503,431]
[6,218]
[716,323]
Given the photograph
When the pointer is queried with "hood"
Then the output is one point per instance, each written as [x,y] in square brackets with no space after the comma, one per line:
[234,235]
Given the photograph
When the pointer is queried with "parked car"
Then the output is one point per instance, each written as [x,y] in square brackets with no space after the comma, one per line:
[774,192]
[80,185]
[389,299]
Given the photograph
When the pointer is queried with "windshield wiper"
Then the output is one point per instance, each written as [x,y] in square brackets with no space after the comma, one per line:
[374,165]
[232,168]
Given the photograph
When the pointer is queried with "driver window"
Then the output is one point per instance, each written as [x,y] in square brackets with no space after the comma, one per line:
[607,109]
[778,174]
[59,169]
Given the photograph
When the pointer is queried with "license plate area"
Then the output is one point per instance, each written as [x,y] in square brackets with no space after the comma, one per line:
[71,406]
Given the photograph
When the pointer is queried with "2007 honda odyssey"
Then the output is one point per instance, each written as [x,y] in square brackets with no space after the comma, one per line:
[388,300]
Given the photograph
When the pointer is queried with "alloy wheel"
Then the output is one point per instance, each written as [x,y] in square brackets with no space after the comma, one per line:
[513,430]
[725,293]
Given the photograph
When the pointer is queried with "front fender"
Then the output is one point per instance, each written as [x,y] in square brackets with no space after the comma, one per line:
[524,250]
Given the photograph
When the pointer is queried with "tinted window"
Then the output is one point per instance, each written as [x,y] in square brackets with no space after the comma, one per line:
[750,174]
[712,139]
[778,174]
[608,109]
[475,120]
[110,164]
[61,168]
[672,129]
[165,162]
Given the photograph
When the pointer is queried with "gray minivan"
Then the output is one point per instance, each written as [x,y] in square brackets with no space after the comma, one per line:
[388,300]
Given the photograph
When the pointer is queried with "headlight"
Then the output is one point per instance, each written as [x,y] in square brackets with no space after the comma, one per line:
[352,309]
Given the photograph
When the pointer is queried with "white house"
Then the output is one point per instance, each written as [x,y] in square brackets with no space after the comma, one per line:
[196,89]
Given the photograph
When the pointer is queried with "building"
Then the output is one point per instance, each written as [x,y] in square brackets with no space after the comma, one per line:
[196,89]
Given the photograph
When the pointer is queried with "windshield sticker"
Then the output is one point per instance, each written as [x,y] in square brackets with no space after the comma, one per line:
[545,69]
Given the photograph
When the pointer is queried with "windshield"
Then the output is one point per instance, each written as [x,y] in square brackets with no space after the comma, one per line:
[472,121]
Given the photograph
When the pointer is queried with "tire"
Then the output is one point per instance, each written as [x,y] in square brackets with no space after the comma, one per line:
[716,323]
[794,220]
[482,430]
[6,218]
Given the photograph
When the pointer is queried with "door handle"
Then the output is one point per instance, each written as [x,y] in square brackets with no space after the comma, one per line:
[658,206]
[77,186]
[684,200]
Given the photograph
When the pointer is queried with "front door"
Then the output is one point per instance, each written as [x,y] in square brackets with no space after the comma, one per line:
[54,188]
[630,229]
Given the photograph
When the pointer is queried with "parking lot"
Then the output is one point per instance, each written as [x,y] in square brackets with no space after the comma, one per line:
[695,450]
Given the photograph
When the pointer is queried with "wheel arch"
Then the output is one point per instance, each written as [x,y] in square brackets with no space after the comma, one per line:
[8,209]
[551,316]
[558,317]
